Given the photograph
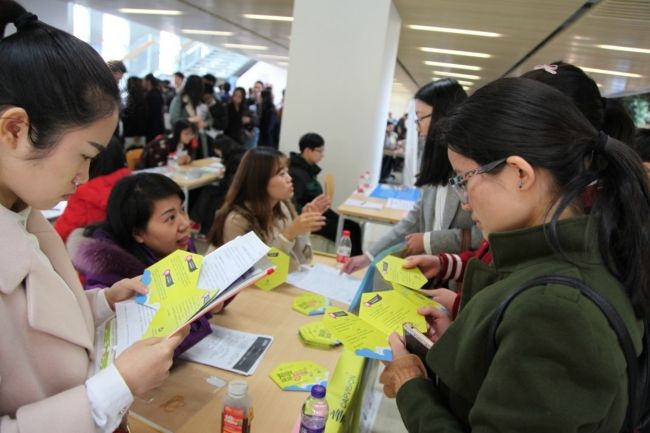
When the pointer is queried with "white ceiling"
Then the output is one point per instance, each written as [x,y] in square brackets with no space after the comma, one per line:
[530,30]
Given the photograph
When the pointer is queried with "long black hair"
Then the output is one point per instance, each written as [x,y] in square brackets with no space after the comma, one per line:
[518,116]
[130,206]
[442,95]
[79,89]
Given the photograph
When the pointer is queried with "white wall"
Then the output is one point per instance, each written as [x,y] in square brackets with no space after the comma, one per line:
[341,66]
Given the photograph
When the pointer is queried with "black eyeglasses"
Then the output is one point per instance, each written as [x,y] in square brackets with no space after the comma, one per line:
[420,119]
[459,182]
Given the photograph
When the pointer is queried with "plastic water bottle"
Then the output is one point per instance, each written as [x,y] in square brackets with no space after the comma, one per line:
[237,412]
[313,416]
[366,179]
[343,250]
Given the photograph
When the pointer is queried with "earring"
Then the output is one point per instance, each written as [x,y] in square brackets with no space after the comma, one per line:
[521,184]
[76,183]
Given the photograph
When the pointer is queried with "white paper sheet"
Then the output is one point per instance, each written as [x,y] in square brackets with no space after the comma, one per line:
[395,203]
[132,321]
[363,203]
[231,350]
[325,281]
[223,266]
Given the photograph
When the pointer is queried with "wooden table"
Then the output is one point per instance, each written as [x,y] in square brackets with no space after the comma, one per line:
[270,313]
[384,215]
[181,175]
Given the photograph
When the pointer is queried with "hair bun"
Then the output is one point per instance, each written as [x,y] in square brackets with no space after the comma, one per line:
[24,19]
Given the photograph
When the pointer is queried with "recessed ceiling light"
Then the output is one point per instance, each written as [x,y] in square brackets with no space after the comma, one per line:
[628,49]
[453,65]
[273,56]
[456,31]
[464,83]
[456,75]
[608,72]
[455,52]
[465,88]
[205,32]
[283,63]
[149,11]
[267,17]
[599,85]
[246,47]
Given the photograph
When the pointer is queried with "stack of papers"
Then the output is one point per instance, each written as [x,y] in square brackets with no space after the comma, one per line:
[299,376]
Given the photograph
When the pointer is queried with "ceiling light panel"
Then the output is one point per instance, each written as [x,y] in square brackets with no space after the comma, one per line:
[456,75]
[453,65]
[267,17]
[246,47]
[149,11]
[626,49]
[455,52]
[609,72]
[455,31]
[206,32]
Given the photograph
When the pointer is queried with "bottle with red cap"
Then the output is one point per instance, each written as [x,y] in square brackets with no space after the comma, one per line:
[343,249]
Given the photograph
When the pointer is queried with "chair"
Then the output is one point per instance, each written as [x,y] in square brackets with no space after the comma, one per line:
[133,157]
[329,186]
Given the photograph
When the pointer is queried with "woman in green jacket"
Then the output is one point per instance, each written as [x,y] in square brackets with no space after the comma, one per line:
[523,155]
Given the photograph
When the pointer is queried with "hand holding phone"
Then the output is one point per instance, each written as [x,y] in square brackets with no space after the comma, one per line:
[415,341]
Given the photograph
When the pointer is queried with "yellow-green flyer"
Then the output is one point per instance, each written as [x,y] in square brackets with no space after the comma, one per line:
[310,304]
[380,314]
[392,270]
[281,262]
[299,375]
[343,394]
[315,334]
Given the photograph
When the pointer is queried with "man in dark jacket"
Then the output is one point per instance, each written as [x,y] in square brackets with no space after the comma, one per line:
[304,170]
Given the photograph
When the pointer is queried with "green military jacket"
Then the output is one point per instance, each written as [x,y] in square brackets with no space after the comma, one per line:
[558,366]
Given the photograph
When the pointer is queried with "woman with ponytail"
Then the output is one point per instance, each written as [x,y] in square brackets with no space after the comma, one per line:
[49,131]
[522,156]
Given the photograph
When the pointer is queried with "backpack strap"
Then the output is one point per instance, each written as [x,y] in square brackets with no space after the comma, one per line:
[635,393]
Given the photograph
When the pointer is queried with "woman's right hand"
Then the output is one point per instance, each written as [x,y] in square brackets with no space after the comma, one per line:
[355,263]
[437,321]
[145,364]
[304,223]
[428,264]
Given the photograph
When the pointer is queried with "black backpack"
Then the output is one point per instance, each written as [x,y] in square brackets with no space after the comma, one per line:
[637,417]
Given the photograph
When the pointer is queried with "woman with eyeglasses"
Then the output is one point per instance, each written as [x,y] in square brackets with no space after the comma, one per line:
[522,155]
[437,222]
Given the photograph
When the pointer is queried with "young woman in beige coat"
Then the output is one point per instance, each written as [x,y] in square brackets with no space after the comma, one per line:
[58,110]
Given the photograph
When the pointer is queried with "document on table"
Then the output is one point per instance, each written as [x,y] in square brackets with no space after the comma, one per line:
[231,350]
[363,203]
[397,204]
[325,281]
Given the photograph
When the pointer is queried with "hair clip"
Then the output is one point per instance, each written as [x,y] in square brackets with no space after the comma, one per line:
[551,69]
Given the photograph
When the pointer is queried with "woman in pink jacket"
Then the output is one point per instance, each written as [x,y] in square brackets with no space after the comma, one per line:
[50,129]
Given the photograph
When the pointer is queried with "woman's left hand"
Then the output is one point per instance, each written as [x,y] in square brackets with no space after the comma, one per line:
[320,204]
[123,290]
[404,367]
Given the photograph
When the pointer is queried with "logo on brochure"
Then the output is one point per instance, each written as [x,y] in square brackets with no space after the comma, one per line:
[385,267]
[336,314]
[190,263]
[370,302]
[168,278]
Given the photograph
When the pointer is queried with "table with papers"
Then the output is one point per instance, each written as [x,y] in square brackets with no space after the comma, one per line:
[259,313]
[382,204]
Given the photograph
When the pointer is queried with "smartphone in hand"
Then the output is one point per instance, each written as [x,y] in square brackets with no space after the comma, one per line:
[416,342]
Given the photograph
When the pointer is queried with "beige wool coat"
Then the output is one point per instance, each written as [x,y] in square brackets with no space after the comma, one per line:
[46,333]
